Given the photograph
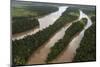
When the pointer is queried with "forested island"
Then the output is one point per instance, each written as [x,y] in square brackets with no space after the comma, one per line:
[71,32]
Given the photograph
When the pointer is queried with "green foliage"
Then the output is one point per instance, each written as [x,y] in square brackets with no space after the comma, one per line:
[87,49]
[70,14]
[21,24]
[62,43]
[35,11]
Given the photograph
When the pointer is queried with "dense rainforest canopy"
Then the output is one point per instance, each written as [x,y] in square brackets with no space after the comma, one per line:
[71,32]
[21,24]
[87,49]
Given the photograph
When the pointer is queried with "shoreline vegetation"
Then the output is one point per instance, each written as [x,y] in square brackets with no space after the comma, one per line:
[23,48]
[22,24]
[87,49]
[59,46]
